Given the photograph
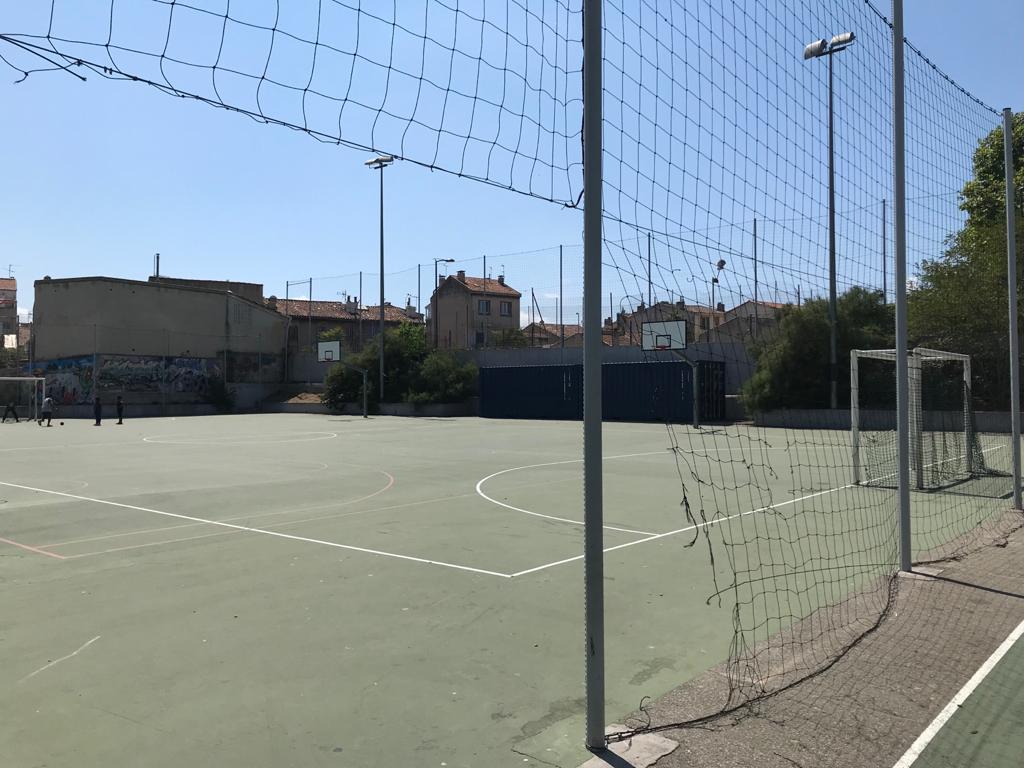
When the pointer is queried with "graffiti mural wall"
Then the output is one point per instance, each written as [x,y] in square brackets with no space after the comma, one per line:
[69,381]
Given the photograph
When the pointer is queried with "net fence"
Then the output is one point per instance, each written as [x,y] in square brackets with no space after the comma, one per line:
[716,191]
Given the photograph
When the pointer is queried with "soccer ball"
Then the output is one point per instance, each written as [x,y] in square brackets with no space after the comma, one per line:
[62,423]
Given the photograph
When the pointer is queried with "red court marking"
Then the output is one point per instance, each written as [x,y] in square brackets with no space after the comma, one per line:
[27,548]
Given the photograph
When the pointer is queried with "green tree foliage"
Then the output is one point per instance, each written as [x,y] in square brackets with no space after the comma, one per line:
[443,379]
[509,338]
[337,333]
[412,372]
[959,301]
[792,365]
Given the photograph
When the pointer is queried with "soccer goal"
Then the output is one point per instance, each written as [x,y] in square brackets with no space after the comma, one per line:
[944,445]
[25,393]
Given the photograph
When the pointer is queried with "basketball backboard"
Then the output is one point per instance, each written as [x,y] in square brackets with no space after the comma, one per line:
[666,334]
[328,351]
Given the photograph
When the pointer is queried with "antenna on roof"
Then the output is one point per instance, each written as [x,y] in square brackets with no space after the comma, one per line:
[10,269]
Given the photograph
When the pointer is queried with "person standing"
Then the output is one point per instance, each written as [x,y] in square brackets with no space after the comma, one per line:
[120,409]
[10,409]
[97,410]
[47,411]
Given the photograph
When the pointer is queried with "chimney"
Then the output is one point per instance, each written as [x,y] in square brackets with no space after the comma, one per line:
[501,279]
[720,307]
[441,279]
[272,303]
[461,275]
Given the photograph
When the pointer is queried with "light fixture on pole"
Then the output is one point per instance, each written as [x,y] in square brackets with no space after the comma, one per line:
[379,163]
[433,299]
[817,49]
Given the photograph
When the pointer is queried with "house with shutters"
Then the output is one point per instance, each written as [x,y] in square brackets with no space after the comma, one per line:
[472,312]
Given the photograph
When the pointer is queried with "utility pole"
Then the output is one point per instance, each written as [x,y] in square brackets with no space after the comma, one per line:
[884,292]
[755,277]
[649,278]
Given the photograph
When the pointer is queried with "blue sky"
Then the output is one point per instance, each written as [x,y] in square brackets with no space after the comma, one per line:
[101,175]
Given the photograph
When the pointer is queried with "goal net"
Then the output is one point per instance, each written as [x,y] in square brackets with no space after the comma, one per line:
[25,393]
[944,445]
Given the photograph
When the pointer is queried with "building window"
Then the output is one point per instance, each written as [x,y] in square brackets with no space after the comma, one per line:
[704,324]
[505,308]
[479,338]
[483,307]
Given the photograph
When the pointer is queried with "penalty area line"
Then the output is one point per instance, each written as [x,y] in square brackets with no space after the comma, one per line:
[259,531]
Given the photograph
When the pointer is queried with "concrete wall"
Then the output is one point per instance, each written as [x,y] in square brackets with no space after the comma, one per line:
[8,309]
[738,365]
[90,316]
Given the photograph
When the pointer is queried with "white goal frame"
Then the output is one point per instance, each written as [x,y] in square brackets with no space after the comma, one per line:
[35,398]
[915,358]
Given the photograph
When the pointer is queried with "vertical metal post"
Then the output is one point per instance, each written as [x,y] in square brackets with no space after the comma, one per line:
[650,300]
[965,407]
[855,414]
[900,232]
[419,288]
[755,276]
[287,330]
[832,314]
[1011,281]
[309,314]
[381,361]
[561,298]
[366,382]
[885,294]
[359,310]
[593,513]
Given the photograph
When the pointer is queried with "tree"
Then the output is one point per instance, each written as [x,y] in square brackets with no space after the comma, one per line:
[959,301]
[412,373]
[792,365]
[509,338]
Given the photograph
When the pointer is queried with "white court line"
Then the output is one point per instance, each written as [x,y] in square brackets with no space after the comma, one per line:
[258,515]
[479,490]
[698,526]
[58,661]
[262,531]
[958,701]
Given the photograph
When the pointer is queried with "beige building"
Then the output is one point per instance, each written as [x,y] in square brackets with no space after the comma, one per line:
[152,342]
[466,311]
[699,320]
[8,309]
[309,320]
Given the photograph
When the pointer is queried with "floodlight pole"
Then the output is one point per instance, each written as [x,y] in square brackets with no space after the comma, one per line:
[900,232]
[1011,279]
[885,299]
[593,513]
[379,163]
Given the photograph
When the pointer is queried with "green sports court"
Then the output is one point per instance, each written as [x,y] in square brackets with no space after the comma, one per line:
[324,590]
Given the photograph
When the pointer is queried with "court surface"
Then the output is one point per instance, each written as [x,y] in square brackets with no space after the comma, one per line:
[271,590]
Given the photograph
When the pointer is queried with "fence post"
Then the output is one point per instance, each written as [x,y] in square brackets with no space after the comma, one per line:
[855,414]
[1011,280]
[900,231]
[593,513]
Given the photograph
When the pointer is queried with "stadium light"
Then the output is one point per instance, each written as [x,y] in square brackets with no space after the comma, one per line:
[815,50]
[379,163]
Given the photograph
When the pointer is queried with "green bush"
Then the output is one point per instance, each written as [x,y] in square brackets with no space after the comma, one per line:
[412,373]
[443,379]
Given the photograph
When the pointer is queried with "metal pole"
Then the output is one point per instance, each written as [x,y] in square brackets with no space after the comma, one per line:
[1011,281]
[433,306]
[593,513]
[900,232]
[309,314]
[561,299]
[365,384]
[885,294]
[381,366]
[359,310]
[755,276]
[287,331]
[649,299]
[833,361]
[419,288]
